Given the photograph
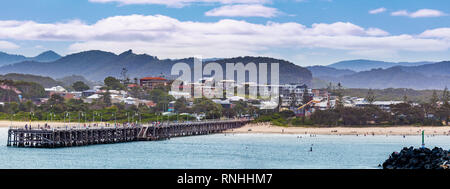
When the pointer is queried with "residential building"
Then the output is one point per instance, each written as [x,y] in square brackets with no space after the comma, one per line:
[153,82]
[55,90]
[91,98]
[88,93]
[224,103]
[384,105]
[292,94]
[7,87]
[178,95]
[77,94]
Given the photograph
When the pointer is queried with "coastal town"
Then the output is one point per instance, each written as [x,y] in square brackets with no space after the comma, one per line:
[224,92]
[295,104]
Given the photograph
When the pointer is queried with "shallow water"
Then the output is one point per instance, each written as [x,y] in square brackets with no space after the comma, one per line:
[221,151]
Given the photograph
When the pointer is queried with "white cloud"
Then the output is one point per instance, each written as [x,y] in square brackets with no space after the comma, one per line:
[376,32]
[422,13]
[248,10]
[343,28]
[171,38]
[8,45]
[377,11]
[179,3]
[437,33]
[400,13]
[427,13]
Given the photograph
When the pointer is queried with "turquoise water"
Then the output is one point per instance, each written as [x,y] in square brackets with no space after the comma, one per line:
[220,151]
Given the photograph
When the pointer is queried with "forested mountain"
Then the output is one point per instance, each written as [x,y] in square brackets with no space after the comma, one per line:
[70,80]
[42,80]
[288,71]
[10,90]
[96,65]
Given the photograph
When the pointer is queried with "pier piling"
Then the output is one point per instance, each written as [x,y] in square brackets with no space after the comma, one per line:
[81,136]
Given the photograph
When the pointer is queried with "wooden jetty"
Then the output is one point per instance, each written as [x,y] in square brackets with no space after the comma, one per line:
[81,136]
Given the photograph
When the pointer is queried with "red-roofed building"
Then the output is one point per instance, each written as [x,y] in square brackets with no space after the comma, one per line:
[132,86]
[152,82]
[7,87]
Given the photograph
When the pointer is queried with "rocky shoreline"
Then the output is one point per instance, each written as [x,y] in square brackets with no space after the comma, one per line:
[418,158]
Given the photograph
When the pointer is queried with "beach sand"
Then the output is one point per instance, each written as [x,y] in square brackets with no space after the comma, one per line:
[368,130]
[6,124]
[268,128]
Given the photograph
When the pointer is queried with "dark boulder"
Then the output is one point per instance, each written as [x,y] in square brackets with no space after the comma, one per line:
[418,158]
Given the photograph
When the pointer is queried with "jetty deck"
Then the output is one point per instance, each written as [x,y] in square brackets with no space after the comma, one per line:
[81,136]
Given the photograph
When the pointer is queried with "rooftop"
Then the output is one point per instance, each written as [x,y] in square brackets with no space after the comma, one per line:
[154,78]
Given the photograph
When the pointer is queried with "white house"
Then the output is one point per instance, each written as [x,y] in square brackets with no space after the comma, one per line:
[236,98]
[129,100]
[77,94]
[57,89]
[178,95]
[91,98]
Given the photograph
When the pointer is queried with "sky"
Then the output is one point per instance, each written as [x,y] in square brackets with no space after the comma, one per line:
[305,32]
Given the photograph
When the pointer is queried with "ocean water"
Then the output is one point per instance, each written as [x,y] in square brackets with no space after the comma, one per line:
[220,151]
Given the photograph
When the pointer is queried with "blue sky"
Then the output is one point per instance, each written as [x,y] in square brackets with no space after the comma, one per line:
[306,32]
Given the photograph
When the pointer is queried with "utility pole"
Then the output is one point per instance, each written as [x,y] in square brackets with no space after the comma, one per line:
[79,119]
[68,113]
[423,138]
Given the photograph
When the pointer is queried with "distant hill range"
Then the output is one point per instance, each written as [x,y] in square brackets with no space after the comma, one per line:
[47,56]
[325,71]
[366,65]
[288,72]
[46,81]
[425,76]
[96,65]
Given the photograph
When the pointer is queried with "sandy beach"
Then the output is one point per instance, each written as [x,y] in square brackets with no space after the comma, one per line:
[375,130]
[268,128]
[6,124]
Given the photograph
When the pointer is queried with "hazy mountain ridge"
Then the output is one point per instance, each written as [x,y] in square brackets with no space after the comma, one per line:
[96,65]
[366,65]
[46,56]
[321,71]
[436,69]
[429,76]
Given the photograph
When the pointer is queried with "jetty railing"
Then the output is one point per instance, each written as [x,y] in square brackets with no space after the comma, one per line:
[85,135]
